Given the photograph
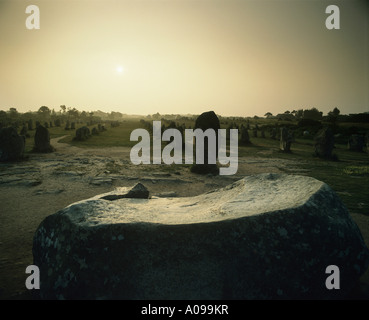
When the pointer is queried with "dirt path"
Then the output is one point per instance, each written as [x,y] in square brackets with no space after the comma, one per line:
[33,189]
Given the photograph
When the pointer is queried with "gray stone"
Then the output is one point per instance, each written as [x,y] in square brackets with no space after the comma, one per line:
[11,144]
[356,142]
[324,143]
[42,140]
[139,191]
[245,137]
[285,140]
[82,133]
[268,236]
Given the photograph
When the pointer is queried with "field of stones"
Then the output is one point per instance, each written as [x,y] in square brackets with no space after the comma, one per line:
[46,167]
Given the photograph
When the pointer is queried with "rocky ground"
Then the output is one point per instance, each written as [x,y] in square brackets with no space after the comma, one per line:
[32,189]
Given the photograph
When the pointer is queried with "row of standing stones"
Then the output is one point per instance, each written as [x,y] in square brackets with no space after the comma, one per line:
[267,236]
[12,144]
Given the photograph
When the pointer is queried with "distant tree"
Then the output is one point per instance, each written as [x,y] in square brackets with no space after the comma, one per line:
[156,116]
[268,115]
[287,112]
[13,114]
[313,114]
[44,111]
[74,113]
[299,114]
[63,108]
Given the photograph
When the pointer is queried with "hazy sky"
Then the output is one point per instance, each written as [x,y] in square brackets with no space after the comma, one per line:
[240,58]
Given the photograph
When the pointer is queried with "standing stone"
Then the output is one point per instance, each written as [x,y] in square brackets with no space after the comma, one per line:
[245,241]
[11,144]
[245,137]
[324,143]
[255,132]
[94,131]
[46,125]
[30,124]
[73,126]
[207,120]
[286,140]
[367,141]
[82,133]
[67,125]
[42,140]
[24,131]
[273,133]
[356,143]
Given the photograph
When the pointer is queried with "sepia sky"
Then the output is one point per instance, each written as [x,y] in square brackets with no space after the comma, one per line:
[238,58]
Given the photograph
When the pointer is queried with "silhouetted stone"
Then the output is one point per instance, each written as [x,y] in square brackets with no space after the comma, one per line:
[285,140]
[273,133]
[73,126]
[82,133]
[94,131]
[11,144]
[67,125]
[30,124]
[324,143]
[245,138]
[42,140]
[207,120]
[255,133]
[356,143]
[24,131]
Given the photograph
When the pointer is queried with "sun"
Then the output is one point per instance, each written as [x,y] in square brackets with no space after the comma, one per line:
[119,69]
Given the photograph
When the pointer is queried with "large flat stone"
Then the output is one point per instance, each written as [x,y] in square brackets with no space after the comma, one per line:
[268,236]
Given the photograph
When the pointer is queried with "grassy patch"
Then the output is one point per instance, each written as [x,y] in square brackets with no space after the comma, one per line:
[112,137]
[357,170]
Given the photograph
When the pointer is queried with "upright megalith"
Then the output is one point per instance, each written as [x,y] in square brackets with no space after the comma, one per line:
[324,143]
[356,142]
[11,144]
[268,236]
[244,137]
[82,134]
[42,140]
[285,140]
[207,120]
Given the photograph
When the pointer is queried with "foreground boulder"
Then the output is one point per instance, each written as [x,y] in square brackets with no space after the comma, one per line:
[269,236]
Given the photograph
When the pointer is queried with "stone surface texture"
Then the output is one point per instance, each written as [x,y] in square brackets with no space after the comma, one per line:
[267,236]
